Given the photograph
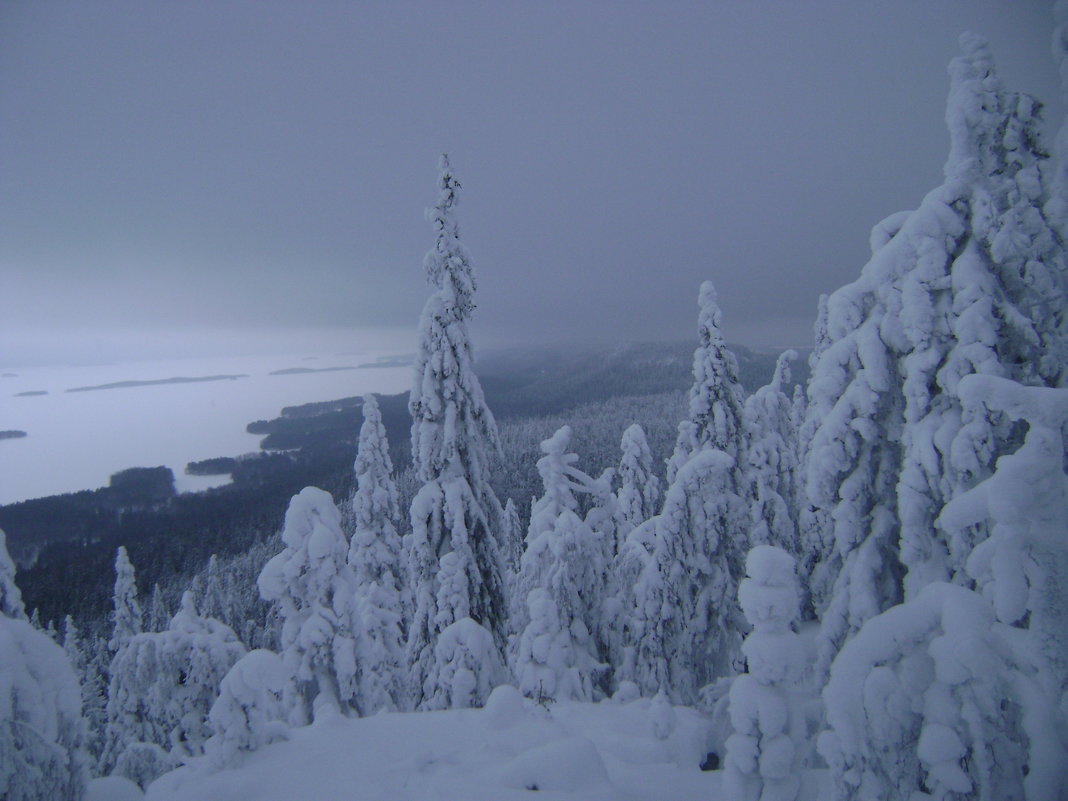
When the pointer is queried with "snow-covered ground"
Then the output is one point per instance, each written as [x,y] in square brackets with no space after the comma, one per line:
[608,751]
[76,440]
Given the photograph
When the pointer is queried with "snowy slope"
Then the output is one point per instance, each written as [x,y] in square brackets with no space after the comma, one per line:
[604,751]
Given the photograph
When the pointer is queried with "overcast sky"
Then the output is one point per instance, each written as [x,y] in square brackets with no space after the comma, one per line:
[265,166]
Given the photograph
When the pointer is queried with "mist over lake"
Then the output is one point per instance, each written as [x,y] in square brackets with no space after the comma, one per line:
[84,423]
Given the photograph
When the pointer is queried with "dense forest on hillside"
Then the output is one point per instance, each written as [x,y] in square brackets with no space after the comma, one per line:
[65,544]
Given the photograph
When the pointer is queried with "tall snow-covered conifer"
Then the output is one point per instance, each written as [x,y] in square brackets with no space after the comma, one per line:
[1056,207]
[961,285]
[639,488]
[686,619]
[979,295]
[10,598]
[716,399]
[773,460]
[126,614]
[42,732]
[561,584]
[375,559]
[457,521]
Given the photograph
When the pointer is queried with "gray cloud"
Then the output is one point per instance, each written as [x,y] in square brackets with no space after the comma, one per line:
[266,165]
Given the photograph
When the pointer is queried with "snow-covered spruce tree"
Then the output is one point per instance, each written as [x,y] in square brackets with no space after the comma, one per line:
[42,733]
[716,407]
[212,600]
[10,598]
[687,620]
[453,437]
[959,286]
[764,753]
[127,623]
[311,583]
[555,657]
[564,570]
[566,555]
[250,711]
[605,521]
[958,695]
[375,560]
[514,528]
[126,613]
[157,615]
[162,686]
[1020,568]
[639,487]
[928,700]
[90,672]
[469,664]
[1056,208]
[631,561]
[982,292]
[773,460]
[852,467]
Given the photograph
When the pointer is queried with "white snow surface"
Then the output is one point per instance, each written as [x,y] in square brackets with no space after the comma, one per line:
[608,751]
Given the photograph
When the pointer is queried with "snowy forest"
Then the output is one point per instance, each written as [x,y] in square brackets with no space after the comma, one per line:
[851,589]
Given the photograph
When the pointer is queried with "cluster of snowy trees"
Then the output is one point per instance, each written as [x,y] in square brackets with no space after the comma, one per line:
[876,564]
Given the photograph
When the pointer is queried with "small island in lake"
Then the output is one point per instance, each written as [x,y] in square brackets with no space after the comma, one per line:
[13,434]
[157,381]
[303,370]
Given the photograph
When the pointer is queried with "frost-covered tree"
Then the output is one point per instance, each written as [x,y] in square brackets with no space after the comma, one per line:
[962,285]
[1056,208]
[311,583]
[42,733]
[157,615]
[469,665]
[453,437]
[564,569]
[555,657]
[566,554]
[631,561]
[213,598]
[773,460]
[764,753]
[954,693]
[250,711]
[89,669]
[852,466]
[982,292]
[639,487]
[374,557]
[127,623]
[1020,567]
[10,598]
[514,529]
[126,610]
[929,701]
[687,619]
[162,686]
[716,407]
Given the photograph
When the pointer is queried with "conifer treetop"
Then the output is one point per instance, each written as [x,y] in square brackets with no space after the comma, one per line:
[10,598]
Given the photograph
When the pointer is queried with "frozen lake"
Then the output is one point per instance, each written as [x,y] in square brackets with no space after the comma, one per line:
[76,440]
